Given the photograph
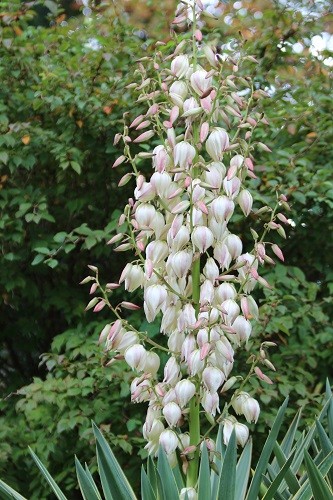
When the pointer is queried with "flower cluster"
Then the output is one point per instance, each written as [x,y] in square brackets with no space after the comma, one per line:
[195,274]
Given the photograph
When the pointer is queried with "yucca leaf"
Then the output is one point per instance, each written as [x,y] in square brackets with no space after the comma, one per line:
[8,492]
[57,491]
[266,453]
[169,484]
[305,492]
[272,490]
[326,445]
[204,491]
[147,492]
[227,480]
[243,471]
[151,473]
[217,462]
[329,398]
[319,487]
[306,442]
[288,440]
[290,478]
[88,488]
[114,482]
[179,478]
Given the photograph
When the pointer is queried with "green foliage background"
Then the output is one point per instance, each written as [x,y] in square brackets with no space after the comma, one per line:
[61,103]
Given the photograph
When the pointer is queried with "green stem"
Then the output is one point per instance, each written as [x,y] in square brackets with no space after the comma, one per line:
[192,474]
[194,417]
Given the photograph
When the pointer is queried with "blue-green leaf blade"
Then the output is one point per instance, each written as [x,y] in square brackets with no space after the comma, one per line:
[57,491]
[204,491]
[88,488]
[114,482]
[266,453]
[227,483]
[9,493]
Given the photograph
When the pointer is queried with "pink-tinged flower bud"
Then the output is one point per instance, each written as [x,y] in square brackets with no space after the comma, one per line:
[186,318]
[251,409]
[169,397]
[241,431]
[212,378]
[171,371]
[229,384]
[191,108]
[222,255]
[215,174]
[145,136]
[188,347]
[224,352]
[135,357]
[155,297]
[161,182]
[99,306]
[144,215]
[180,263]
[262,376]
[202,337]
[178,93]
[152,363]
[204,130]
[184,154]
[245,201]
[206,292]
[172,413]
[133,276]
[198,193]
[174,114]
[242,328]
[195,362]
[181,207]
[176,341]
[119,161]
[125,340]
[178,241]
[231,309]
[237,161]
[185,390]
[210,402]
[202,238]
[200,84]
[217,143]
[145,193]
[224,292]
[211,270]
[278,252]
[152,110]
[104,333]
[171,135]
[234,245]
[210,55]
[157,251]
[169,441]
[198,35]
[140,390]
[222,208]
[249,307]
[232,187]
[136,121]
[161,159]
[143,125]
[180,66]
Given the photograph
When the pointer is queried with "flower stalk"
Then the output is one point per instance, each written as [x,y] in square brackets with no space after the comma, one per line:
[196,276]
